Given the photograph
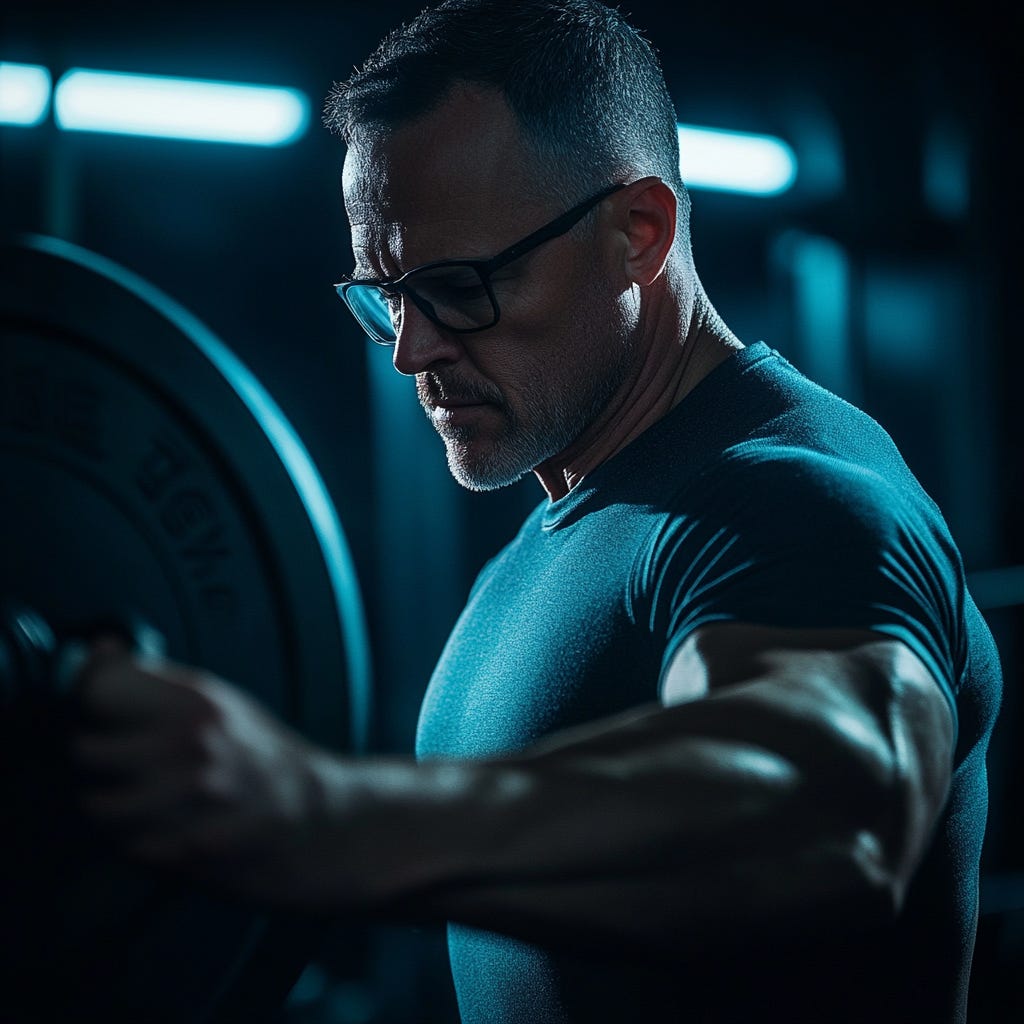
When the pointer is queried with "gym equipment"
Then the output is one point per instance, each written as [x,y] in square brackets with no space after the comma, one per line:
[145,471]
[38,668]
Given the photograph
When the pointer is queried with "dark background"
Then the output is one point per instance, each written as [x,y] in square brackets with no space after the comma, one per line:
[889,273]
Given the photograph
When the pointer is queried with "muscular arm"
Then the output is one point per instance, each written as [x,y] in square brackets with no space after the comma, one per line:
[787,774]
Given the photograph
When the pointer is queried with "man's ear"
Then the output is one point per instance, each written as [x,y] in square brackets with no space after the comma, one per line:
[650,227]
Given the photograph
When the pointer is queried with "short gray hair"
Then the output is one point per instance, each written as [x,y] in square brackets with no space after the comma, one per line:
[585,86]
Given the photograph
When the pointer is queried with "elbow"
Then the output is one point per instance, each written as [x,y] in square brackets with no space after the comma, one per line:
[888,810]
[885,860]
[890,842]
[890,838]
[866,846]
[879,883]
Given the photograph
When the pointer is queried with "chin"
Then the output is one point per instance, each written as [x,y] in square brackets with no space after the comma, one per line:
[485,466]
[483,474]
[482,459]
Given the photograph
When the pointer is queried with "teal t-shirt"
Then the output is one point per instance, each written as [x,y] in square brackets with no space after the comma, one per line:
[761,498]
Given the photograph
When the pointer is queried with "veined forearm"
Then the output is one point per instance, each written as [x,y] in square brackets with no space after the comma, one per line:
[757,897]
[634,829]
[806,781]
[801,777]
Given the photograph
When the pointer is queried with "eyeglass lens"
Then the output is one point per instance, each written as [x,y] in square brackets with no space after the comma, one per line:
[454,296]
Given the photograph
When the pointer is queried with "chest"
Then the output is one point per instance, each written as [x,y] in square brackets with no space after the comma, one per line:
[548,639]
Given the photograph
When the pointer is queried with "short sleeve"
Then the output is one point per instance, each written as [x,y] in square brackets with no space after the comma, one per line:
[802,540]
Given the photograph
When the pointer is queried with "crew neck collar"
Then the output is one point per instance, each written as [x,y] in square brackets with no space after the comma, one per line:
[601,478]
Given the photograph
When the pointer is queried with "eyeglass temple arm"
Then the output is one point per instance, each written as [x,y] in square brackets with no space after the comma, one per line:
[557,227]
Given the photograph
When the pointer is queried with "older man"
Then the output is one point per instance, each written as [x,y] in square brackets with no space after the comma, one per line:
[708,740]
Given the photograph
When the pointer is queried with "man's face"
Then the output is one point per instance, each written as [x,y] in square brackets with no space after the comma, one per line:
[459,182]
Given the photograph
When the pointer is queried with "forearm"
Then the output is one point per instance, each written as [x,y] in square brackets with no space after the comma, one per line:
[802,779]
[636,831]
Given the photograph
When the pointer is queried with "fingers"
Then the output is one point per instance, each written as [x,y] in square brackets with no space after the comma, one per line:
[179,768]
[208,852]
[108,685]
[105,755]
[152,808]
[145,749]
[157,826]
[120,690]
[138,805]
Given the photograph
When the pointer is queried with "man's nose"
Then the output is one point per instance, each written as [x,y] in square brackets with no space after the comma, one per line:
[421,343]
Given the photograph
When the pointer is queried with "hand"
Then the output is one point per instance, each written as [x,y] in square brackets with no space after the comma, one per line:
[183,770]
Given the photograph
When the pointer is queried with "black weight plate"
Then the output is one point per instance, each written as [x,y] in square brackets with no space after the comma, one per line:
[143,467]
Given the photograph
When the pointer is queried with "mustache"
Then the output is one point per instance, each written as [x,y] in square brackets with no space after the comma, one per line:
[433,387]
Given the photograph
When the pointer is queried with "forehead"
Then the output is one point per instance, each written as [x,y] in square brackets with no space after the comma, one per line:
[460,176]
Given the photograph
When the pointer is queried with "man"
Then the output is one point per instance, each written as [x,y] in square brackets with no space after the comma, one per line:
[707,742]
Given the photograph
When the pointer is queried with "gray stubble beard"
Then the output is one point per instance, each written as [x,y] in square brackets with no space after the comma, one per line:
[524,446]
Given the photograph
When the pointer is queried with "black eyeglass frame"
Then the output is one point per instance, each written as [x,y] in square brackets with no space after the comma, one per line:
[484,268]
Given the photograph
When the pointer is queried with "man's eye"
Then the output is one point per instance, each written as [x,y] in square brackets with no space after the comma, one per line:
[451,286]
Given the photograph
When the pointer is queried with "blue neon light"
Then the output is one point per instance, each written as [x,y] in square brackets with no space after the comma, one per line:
[24,93]
[179,108]
[711,158]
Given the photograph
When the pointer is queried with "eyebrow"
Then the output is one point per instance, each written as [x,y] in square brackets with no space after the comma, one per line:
[553,229]
[362,268]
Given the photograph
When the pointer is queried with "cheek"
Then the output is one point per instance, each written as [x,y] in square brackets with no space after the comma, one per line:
[544,320]
[601,318]
[625,311]
[553,329]
[531,309]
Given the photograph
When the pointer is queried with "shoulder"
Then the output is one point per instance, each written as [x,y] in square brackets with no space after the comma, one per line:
[798,492]
[801,538]
[775,505]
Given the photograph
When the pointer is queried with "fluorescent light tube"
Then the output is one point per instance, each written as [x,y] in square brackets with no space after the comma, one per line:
[179,108]
[729,161]
[24,93]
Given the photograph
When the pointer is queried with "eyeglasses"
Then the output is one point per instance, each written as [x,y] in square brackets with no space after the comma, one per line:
[456,295]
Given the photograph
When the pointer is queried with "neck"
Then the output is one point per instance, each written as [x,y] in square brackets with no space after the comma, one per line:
[675,355]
